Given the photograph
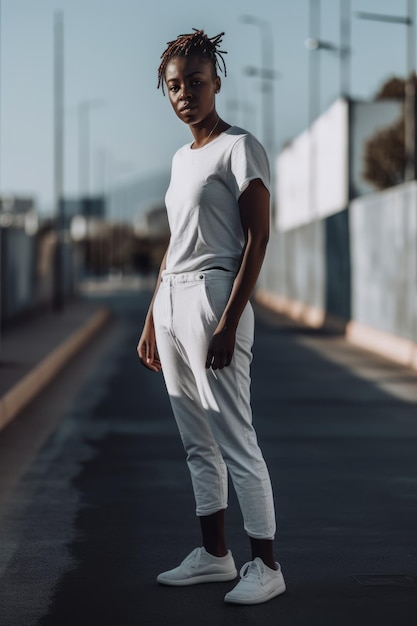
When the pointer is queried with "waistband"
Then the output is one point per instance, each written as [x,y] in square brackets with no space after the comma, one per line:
[194,277]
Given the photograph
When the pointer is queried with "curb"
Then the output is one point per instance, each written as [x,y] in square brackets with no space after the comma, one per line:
[397,349]
[294,309]
[30,385]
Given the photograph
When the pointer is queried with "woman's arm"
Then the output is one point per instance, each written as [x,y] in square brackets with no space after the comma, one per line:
[147,349]
[254,215]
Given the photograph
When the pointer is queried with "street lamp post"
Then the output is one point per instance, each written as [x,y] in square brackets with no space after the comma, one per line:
[315,44]
[410,87]
[345,47]
[267,75]
[1,270]
[58,296]
[84,113]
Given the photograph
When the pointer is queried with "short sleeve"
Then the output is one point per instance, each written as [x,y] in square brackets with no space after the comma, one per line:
[248,162]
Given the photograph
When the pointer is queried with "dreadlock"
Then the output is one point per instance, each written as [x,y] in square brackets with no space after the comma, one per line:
[193,43]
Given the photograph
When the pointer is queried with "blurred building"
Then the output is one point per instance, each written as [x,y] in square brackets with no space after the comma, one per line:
[152,224]
[151,230]
[18,227]
[28,245]
[18,212]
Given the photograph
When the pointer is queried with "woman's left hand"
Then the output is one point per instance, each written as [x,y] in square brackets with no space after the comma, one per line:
[221,348]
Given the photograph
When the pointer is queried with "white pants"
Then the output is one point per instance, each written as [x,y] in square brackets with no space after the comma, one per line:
[212,408]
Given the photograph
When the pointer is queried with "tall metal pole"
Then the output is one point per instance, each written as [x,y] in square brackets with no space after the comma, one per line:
[84,165]
[345,45]
[267,75]
[410,96]
[84,157]
[84,174]
[314,98]
[268,105]
[1,93]
[1,265]
[314,111]
[58,299]
[411,166]
[314,63]
[84,149]
[267,58]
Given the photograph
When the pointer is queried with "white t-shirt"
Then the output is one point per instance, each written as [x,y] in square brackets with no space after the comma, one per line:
[202,200]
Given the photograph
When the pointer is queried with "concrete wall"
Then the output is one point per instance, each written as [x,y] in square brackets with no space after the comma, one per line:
[307,270]
[294,267]
[356,269]
[383,233]
[312,172]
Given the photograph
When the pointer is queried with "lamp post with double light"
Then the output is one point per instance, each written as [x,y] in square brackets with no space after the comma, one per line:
[315,44]
[267,75]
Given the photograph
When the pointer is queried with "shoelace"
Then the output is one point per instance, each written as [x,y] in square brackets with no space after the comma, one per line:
[252,570]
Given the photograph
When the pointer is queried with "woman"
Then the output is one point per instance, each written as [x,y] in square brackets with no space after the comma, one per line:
[199,327]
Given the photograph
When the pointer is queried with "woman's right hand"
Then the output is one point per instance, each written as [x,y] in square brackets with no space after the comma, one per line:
[147,350]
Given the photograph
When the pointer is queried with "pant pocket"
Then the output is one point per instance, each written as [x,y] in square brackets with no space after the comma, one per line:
[215,295]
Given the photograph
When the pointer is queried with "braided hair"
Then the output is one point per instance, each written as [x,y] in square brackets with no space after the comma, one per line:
[193,43]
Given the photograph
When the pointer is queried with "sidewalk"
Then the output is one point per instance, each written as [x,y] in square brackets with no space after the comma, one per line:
[34,350]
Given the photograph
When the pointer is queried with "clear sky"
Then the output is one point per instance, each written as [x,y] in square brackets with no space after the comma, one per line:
[112,52]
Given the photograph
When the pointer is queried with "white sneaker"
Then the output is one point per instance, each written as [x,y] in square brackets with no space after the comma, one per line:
[200,567]
[259,583]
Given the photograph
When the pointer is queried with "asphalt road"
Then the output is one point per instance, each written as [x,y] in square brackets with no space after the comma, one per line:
[96,498]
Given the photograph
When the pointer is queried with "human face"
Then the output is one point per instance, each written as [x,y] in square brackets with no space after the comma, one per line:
[192,84]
